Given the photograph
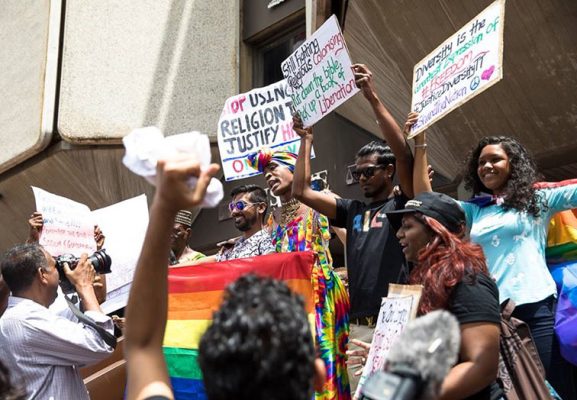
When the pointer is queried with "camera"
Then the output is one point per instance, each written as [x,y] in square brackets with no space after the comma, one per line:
[401,383]
[99,260]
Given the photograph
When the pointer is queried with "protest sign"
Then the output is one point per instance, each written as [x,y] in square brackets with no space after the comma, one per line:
[463,66]
[319,73]
[68,225]
[416,291]
[124,225]
[252,120]
[394,315]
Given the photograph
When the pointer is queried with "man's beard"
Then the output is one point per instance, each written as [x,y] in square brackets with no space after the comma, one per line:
[245,224]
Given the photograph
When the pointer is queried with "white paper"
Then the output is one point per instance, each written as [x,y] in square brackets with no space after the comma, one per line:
[145,146]
[124,226]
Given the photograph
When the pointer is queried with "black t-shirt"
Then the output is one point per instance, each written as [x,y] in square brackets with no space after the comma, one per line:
[477,301]
[374,256]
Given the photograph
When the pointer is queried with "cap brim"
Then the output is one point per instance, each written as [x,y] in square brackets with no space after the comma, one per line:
[396,217]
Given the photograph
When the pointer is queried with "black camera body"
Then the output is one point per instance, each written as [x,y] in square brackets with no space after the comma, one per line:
[402,383]
[99,260]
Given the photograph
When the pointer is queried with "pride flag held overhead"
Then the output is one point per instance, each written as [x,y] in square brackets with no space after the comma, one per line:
[195,292]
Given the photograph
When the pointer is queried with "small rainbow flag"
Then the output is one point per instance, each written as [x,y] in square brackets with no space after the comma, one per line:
[195,292]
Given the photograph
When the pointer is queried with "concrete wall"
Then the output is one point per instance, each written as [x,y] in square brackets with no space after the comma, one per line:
[28,78]
[138,63]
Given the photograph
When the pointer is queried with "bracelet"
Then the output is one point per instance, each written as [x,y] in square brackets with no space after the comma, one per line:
[421,146]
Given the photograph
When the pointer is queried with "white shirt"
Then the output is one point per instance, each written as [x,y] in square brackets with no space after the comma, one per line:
[43,351]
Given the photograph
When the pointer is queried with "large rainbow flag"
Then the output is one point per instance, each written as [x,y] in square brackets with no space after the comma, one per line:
[561,253]
[195,292]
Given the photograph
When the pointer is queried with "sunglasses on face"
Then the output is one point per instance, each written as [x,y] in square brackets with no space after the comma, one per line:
[367,172]
[240,205]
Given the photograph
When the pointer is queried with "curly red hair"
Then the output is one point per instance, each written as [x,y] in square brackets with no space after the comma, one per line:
[443,263]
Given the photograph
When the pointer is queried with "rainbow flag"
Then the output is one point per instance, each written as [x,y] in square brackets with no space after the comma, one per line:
[195,292]
[562,237]
[561,254]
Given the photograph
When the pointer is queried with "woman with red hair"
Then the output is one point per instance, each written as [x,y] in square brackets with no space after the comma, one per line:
[455,278]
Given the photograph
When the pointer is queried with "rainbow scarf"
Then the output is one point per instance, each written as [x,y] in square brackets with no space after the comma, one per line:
[195,292]
[264,156]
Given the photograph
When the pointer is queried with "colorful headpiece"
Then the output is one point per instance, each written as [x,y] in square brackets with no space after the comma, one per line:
[264,156]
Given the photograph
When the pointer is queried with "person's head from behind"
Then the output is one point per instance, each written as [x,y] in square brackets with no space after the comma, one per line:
[375,169]
[430,230]
[248,206]
[259,345]
[181,231]
[29,271]
[501,166]
[278,167]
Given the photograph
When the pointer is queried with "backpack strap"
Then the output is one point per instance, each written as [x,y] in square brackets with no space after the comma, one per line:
[507,308]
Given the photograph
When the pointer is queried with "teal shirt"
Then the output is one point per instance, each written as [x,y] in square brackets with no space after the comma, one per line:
[514,243]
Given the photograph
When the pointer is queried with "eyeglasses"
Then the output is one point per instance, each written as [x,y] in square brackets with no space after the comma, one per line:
[240,205]
[367,172]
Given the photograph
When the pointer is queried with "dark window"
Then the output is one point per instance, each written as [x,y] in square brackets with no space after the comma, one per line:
[269,56]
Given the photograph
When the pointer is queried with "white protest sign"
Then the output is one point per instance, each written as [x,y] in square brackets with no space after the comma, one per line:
[124,225]
[319,73]
[68,225]
[252,120]
[463,66]
[394,315]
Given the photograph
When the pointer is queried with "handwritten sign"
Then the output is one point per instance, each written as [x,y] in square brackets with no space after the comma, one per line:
[463,66]
[319,73]
[394,315]
[252,120]
[68,225]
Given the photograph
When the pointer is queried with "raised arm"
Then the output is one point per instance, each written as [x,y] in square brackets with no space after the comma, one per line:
[421,180]
[479,355]
[390,130]
[147,373]
[322,202]
[100,281]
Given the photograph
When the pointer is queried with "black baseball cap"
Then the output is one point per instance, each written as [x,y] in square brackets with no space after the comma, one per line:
[435,205]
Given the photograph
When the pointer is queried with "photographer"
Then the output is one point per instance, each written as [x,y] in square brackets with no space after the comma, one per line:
[41,349]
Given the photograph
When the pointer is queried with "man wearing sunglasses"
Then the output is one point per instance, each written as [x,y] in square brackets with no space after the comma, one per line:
[248,209]
[374,256]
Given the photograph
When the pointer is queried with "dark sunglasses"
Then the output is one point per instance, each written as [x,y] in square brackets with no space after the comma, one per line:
[367,172]
[240,205]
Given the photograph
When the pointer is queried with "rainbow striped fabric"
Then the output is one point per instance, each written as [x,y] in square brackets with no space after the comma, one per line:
[561,253]
[562,237]
[195,292]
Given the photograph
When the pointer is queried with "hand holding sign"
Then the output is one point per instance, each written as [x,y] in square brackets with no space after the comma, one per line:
[364,81]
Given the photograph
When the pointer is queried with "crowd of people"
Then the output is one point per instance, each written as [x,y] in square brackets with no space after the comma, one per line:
[469,256]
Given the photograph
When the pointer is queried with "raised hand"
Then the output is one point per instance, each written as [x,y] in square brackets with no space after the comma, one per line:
[412,119]
[35,224]
[98,237]
[299,128]
[364,81]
